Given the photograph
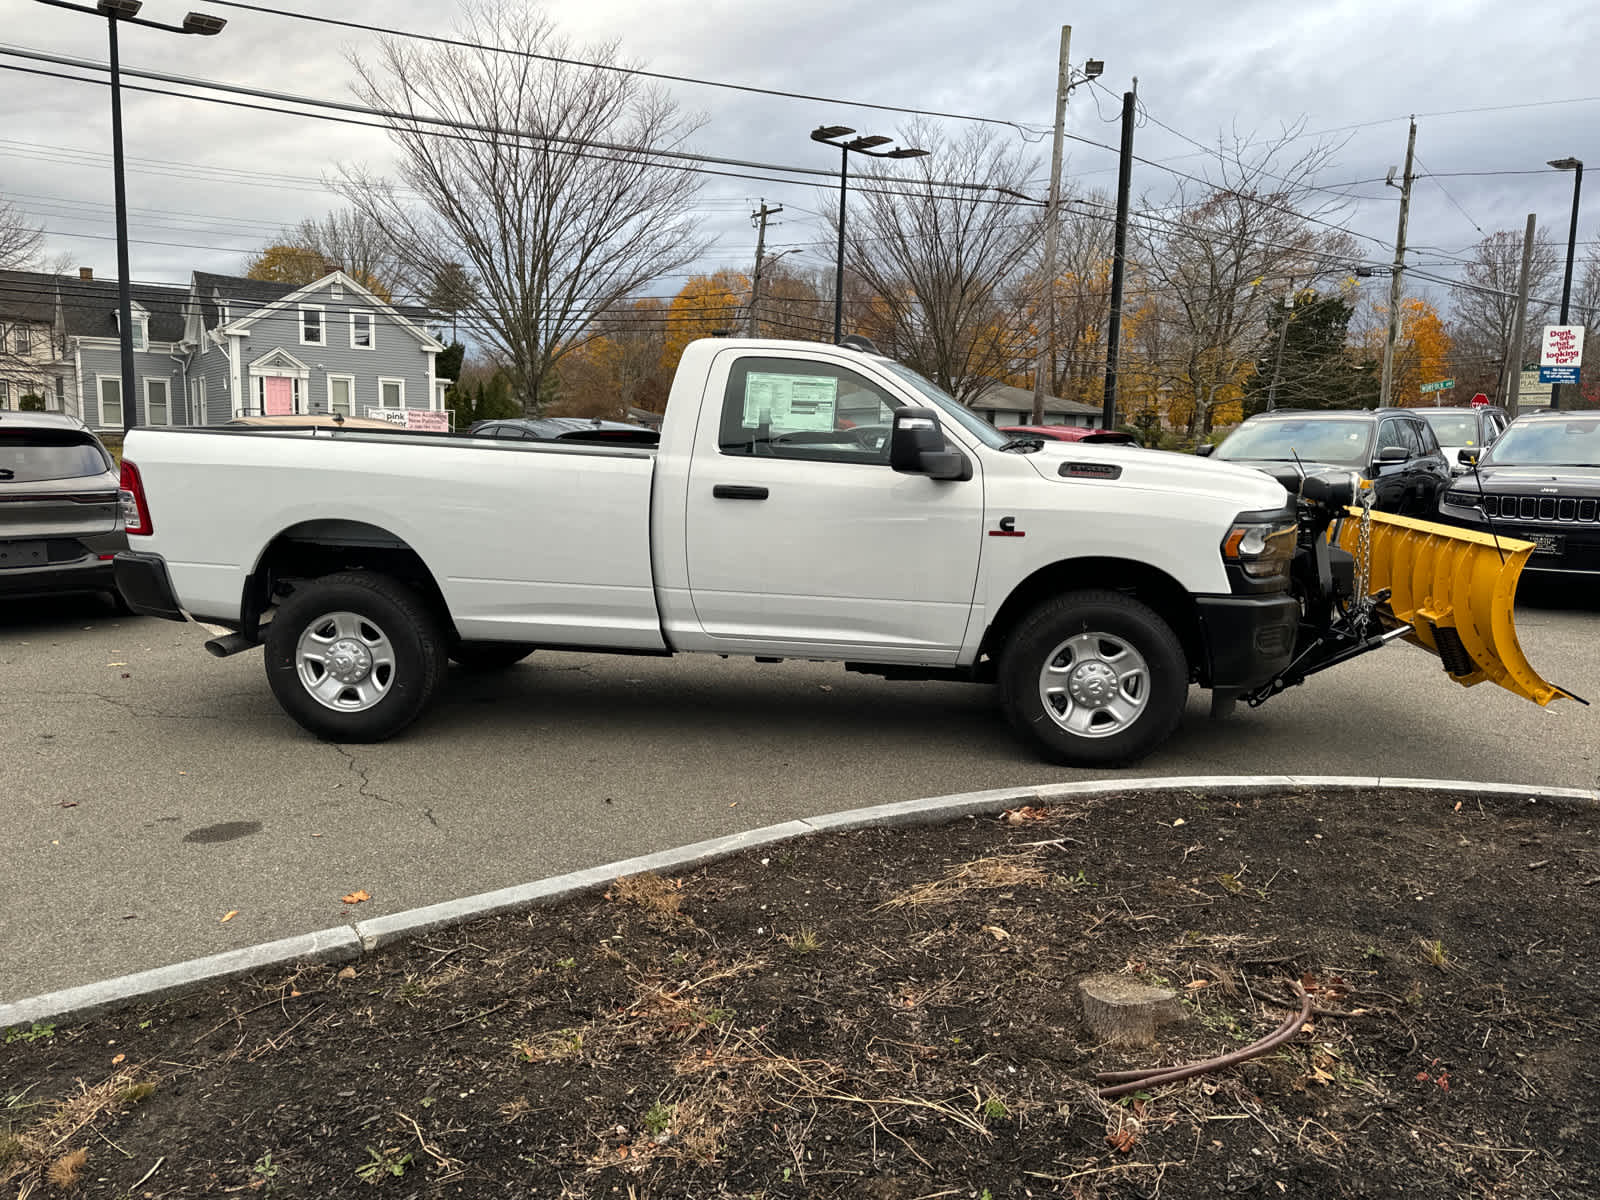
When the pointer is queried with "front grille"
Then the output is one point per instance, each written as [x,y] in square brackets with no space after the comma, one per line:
[1583,510]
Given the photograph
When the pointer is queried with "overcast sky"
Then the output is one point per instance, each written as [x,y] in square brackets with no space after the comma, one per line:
[207,183]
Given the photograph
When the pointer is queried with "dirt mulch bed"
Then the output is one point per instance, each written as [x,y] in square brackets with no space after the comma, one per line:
[892,1015]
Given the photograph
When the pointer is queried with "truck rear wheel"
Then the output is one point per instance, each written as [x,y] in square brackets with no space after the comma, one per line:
[1094,678]
[354,657]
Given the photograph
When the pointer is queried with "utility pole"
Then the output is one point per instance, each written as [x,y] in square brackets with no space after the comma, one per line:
[1108,410]
[1047,343]
[1396,276]
[1514,351]
[1283,336]
[759,218]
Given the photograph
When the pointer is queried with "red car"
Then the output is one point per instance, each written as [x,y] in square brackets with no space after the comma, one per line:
[1073,433]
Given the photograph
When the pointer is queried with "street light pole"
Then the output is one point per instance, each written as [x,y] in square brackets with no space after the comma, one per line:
[119,185]
[830,135]
[1576,166]
[114,11]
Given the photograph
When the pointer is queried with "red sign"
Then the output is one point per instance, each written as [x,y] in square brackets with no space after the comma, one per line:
[1479,400]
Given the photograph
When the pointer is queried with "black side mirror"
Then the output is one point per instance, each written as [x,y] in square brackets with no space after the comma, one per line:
[1390,455]
[1205,449]
[917,447]
[1467,458]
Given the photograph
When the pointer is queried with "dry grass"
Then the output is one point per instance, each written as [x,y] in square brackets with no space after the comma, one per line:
[661,900]
[39,1147]
[66,1170]
[994,873]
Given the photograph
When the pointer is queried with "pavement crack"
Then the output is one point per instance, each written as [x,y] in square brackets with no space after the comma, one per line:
[366,788]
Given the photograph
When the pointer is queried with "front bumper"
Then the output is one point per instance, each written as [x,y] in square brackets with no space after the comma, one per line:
[1578,542]
[1248,640]
[145,585]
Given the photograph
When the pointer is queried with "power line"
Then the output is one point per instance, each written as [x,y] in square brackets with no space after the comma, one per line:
[460,43]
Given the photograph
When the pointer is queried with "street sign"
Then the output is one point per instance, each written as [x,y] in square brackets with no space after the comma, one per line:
[1479,400]
[1441,386]
[1562,347]
[1549,374]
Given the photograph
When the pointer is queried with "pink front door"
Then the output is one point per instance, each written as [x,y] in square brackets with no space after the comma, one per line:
[279,393]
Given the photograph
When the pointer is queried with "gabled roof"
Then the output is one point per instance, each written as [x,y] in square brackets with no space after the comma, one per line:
[409,318]
[249,293]
[28,296]
[89,308]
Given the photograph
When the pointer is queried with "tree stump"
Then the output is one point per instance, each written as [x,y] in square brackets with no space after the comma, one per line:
[1122,1010]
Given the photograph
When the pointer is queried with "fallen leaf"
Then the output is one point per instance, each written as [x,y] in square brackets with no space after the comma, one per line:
[356,897]
[1458,806]
[67,804]
[1000,935]
[348,973]
[118,1059]
[1028,812]
[228,916]
[735,804]
[1122,1140]
[1179,821]
[1197,983]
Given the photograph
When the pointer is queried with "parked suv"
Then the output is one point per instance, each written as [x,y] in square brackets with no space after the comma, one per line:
[1458,429]
[1539,482]
[60,517]
[566,429]
[1393,447]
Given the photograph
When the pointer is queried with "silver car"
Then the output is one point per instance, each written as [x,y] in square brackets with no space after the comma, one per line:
[60,517]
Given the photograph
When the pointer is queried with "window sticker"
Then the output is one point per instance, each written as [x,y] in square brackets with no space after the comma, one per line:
[790,403]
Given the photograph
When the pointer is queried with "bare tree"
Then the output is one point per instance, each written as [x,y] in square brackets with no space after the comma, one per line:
[352,241]
[1084,255]
[20,240]
[1223,253]
[1484,305]
[554,229]
[945,264]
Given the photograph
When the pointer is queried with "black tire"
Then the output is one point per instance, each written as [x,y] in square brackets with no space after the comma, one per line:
[403,617]
[1034,644]
[489,656]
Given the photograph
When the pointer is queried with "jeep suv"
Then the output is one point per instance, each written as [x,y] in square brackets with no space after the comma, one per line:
[60,516]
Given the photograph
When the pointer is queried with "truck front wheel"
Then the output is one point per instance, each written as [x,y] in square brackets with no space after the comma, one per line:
[354,657]
[1094,678]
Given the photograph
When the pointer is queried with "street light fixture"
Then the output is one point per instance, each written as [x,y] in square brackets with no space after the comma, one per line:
[1576,166]
[831,135]
[114,11]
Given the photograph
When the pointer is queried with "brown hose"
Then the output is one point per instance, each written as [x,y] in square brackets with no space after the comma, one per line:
[1158,1076]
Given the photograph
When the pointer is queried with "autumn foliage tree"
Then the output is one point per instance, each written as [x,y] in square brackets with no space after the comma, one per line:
[703,307]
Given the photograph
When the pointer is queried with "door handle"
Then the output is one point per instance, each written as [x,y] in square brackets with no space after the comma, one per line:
[738,491]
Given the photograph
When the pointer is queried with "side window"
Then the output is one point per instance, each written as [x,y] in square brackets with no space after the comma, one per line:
[1424,434]
[1389,435]
[791,408]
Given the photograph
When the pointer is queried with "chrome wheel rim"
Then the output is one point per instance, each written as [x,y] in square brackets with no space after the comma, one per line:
[1094,685]
[345,661]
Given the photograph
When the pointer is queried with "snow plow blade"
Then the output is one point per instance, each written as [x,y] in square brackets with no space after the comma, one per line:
[1456,589]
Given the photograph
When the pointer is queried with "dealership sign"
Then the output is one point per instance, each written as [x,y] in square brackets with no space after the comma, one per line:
[1560,354]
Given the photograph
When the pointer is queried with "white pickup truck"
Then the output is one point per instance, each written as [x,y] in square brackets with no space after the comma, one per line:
[805,501]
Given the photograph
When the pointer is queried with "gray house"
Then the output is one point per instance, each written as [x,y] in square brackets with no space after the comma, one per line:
[1002,404]
[221,348]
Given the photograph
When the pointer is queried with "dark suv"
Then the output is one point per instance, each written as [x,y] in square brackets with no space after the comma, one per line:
[60,517]
[1540,482]
[1393,447]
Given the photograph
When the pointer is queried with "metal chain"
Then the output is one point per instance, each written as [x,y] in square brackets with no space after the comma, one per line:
[1362,607]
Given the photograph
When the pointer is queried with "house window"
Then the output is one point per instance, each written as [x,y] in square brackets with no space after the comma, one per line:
[311,333]
[5,394]
[110,401]
[361,330]
[197,402]
[61,394]
[24,339]
[156,409]
[392,393]
[342,395]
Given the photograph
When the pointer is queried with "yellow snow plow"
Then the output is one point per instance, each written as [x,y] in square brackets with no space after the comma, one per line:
[1455,588]
[1366,578]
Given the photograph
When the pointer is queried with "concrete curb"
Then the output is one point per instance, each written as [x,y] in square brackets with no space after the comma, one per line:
[351,941]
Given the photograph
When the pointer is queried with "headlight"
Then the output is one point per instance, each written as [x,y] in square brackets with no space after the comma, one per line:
[1461,499]
[1261,549]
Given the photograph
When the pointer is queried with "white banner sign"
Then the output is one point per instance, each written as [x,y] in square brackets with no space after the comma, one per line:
[1562,346]
[426,419]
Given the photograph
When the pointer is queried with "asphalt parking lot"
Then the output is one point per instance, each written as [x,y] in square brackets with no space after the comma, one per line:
[147,790]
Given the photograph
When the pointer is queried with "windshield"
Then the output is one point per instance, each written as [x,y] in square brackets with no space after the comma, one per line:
[1543,442]
[1342,443]
[35,455]
[1453,429]
[949,406]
